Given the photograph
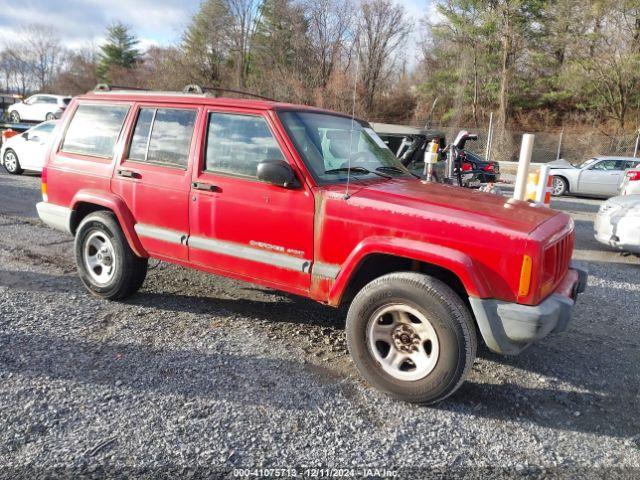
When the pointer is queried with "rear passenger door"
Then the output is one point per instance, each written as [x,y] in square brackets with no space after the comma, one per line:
[153,177]
[239,225]
[602,178]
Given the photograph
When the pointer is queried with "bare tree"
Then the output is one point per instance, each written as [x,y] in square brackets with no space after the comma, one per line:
[244,16]
[330,24]
[383,29]
[44,53]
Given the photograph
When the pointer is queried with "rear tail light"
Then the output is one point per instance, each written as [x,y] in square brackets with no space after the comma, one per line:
[466,167]
[489,168]
[634,175]
[45,197]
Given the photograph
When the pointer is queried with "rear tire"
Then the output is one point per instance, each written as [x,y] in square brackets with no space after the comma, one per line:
[106,264]
[411,336]
[560,186]
[11,162]
[49,116]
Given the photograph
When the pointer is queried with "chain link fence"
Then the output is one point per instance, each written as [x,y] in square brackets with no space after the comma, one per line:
[573,147]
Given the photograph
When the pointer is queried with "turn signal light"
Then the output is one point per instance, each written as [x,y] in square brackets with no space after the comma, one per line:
[525,276]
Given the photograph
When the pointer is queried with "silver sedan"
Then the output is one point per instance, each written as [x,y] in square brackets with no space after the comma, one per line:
[598,176]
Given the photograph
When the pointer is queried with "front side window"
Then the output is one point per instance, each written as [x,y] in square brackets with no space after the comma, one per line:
[94,130]
[329,144]
[236,144]
[607,165]
[163,136]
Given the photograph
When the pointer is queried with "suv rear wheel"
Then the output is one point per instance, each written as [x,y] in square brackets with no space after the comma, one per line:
[106,264]
[410,335]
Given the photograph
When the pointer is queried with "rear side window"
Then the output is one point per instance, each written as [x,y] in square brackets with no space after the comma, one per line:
[94,130]
[163,136]
[237,143]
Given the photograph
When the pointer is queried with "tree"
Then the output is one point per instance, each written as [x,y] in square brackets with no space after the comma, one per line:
[206,43]
[382,32]
[119,50]
[244,15]
[330,25]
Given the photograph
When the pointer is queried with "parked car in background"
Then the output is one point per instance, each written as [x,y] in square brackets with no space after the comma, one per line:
[598,176]
[618,223]
[476,170]
[311,202]
[38,108]
[631,182]
[26,151]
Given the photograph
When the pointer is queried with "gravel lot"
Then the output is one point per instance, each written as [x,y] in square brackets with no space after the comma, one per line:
[200,374]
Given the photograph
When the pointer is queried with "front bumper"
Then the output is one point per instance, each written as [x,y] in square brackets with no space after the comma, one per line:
[509,328]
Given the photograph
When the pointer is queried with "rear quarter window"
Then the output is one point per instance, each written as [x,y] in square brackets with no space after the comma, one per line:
[94,130]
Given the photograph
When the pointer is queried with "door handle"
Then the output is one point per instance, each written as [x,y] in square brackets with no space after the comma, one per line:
[207,187]
[128,174]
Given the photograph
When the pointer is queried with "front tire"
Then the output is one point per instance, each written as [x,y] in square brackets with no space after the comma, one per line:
[14,117]
[11,162]
[559,186]
[49,116]
[106,264]
[411,336]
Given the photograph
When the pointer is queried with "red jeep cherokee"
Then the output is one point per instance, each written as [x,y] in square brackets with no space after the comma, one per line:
[310,202]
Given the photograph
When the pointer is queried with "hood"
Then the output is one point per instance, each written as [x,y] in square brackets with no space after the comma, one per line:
[562,163]
[461,205]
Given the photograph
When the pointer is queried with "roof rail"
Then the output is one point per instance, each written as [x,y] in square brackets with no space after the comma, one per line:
[199,89]
[105,87]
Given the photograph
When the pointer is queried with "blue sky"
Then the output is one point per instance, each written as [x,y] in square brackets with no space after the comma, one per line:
[83,22]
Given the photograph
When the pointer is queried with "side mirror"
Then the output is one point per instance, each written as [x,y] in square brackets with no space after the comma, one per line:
[25,135]
[277,172]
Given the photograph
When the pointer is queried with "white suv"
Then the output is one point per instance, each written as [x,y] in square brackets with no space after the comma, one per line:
[38,108]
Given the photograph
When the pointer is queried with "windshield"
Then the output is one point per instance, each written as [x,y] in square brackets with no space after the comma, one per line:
[585,163]
[329,144]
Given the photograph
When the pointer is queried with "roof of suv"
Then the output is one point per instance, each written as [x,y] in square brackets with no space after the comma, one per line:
[203,99]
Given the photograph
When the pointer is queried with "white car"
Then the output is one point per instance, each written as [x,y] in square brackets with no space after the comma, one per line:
[38,108]
[27,150]
[598,176]
[631,183]
[618,223]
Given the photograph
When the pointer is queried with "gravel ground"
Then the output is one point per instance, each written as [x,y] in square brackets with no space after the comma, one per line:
[199,375]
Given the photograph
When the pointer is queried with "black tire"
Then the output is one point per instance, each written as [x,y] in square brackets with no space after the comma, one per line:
[129,269]
[560,186]
[447,314]
[13,167]
[14,117]
[49,116]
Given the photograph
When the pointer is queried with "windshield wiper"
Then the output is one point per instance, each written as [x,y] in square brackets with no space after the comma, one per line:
[362,170]
[391,168]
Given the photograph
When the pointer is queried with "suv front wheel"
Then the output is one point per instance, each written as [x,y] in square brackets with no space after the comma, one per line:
[410,335]
[106,264]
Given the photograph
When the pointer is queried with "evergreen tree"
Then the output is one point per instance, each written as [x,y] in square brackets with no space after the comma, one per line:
[119,50]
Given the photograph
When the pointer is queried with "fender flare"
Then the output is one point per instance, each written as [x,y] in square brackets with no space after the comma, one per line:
[449,259]
[119,208]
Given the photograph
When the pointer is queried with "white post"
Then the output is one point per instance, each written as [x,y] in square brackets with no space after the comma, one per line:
[541,192]
[635,150]
[487,152]
[526,150]
[560,145]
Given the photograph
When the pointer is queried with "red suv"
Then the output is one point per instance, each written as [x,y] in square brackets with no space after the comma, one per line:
[311,202]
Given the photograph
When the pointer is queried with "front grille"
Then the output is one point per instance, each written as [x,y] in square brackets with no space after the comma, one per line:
[557,259]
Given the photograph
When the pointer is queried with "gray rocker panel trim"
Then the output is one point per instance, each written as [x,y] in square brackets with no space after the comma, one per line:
[248,253]
[327,270]
[157,233]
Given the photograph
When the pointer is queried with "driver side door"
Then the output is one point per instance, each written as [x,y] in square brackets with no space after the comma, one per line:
[601,178]
[239,225]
